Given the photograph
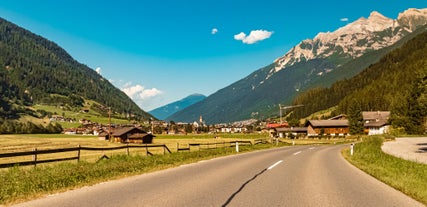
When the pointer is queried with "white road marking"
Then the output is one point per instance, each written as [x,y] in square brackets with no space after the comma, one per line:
[311,148]
[274,165]
[297,152]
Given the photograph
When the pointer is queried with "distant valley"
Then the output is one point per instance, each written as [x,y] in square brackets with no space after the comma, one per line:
[164,112]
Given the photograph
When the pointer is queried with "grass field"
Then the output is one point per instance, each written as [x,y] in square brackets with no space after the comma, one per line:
[30,142]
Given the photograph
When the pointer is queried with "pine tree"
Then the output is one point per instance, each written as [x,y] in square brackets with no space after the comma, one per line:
[355,118]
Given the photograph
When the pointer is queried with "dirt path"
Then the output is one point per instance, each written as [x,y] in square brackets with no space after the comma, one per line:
[414,149]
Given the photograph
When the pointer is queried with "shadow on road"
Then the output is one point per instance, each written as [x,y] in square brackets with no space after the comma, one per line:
[241,188]
[422,150]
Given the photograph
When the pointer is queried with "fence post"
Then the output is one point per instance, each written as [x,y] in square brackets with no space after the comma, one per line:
[164,149]
[35,157]
[127,149]
[78,153]
[177,147]
[237,146]
[146,149]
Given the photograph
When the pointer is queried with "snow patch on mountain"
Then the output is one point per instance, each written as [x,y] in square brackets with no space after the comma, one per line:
[354,39]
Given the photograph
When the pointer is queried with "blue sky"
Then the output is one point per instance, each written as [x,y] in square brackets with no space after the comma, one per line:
[161,51]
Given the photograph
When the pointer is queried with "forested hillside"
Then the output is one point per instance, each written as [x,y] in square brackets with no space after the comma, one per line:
[34,70]
[397,83]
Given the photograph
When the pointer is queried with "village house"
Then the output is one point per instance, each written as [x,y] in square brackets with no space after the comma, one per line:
[376,122]
[128,135]
[328,127]
[271,128]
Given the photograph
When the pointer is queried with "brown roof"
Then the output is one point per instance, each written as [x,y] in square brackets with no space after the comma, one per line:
[329,123]
[374,115]
[121,131]
[375,118]
[379,123]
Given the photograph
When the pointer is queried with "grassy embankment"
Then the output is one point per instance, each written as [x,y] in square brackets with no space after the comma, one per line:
[405,176]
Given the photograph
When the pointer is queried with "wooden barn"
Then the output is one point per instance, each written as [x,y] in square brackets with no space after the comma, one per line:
[132,135]
[328,127]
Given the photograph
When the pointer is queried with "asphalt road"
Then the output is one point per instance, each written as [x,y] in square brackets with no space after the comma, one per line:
[289,176]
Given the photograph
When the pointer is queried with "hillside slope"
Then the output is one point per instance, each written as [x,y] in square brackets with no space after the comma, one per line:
[34,70]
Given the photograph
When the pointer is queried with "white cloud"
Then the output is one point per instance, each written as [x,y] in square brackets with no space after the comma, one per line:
[253,37]
[214,31]
[240,36]
[98,70]
[138,92]
[344,19]
[148,93]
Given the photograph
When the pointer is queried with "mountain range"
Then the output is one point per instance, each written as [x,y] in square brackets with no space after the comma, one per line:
[164,112]
[317,62]
[34,70]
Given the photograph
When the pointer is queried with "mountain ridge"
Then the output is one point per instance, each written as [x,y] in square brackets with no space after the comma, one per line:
[281,81]
[167,110]
[41,72]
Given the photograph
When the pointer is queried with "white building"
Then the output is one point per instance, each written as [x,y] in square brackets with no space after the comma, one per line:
[376,122]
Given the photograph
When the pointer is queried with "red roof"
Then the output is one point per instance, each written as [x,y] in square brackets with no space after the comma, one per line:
[276,125]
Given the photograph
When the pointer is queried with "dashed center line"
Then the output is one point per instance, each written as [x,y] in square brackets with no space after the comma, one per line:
[274,165]
[297,152]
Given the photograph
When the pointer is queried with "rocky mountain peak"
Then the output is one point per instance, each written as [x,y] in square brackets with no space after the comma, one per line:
[354,39]
[413,18]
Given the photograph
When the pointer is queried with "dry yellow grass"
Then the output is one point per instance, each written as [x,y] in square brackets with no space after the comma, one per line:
[29,142]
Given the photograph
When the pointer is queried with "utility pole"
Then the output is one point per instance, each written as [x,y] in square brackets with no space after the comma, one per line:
[109,124]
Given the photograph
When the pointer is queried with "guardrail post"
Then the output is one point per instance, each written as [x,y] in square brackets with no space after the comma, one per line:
[237,146]
[78,153]
[127,149]
[351,148]
[35,157]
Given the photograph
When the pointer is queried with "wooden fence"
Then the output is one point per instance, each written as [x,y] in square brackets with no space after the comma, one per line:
[214,145]
[77,150]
